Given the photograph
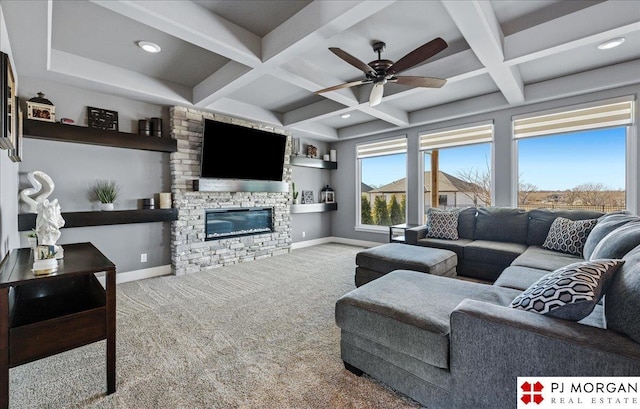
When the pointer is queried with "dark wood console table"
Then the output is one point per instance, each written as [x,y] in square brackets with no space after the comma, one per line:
[45,315]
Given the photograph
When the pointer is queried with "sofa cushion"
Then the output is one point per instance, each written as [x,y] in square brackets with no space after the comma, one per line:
[519,278]
[467,222]
[501,224]
[494,252]
[622,301]
[569,293]
[442,224]
[409,312]
[568,236]
[457,246]
[618,242]
[543,259]
[606,224]
[540,221]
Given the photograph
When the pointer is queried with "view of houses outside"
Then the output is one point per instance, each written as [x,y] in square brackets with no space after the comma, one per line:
[581,170]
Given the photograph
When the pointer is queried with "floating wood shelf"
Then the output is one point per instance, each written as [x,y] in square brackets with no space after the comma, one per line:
[27,221]
[314,207]
[55,131]
[312,162]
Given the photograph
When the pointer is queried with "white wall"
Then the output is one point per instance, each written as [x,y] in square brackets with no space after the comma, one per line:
[75,167]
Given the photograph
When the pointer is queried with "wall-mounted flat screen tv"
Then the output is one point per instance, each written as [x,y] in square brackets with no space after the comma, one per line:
[237,152]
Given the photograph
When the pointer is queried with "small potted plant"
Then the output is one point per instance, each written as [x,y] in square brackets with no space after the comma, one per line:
[32,238]
[106,192]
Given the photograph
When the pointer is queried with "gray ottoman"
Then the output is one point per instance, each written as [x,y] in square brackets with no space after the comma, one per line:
[377,261]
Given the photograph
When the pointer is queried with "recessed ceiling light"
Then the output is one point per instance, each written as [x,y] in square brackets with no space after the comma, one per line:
[149,47]
[345,116]
[611,43]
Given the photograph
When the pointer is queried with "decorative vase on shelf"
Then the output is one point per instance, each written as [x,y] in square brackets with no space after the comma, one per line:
[106,206]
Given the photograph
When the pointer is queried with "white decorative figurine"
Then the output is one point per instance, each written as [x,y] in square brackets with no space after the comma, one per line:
[48,224]
[42,187]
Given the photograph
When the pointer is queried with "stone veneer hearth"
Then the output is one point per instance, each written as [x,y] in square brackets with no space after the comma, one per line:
[189,250]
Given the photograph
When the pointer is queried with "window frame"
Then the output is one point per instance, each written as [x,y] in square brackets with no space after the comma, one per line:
[358,188]
[631,144]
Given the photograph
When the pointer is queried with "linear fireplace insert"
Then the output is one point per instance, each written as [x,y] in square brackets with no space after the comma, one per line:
[224,223]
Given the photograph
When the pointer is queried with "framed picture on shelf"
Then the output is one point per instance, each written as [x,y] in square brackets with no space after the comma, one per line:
[102,118]
[41,112]
[307,196]
[7,102]
[16,153]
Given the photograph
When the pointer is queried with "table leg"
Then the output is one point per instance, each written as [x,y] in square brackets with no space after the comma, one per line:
[4,347]
[111,331]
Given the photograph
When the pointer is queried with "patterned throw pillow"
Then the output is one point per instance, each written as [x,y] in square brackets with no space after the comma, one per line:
[571,292]
[568,236]
[442,224]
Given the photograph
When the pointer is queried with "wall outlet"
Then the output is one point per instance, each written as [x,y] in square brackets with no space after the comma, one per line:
[304,234]
[143,257]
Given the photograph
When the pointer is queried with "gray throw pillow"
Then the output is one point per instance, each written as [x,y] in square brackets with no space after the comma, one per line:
[622,302]
[606,224]
[442,224]
[618,242]
[568,236]
[570,292]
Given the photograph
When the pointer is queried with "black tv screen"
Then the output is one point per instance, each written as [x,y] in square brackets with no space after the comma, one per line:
[236,152]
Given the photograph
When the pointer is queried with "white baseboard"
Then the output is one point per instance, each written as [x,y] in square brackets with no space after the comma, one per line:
[315,242]
[138,274]
[166,270]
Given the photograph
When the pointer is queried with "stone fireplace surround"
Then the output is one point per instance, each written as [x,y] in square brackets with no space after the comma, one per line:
[190,252]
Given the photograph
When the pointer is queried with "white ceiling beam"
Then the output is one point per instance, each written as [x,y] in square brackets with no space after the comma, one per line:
[104,74]
[313,24]
[307,30]
[194,24]
[388,113]
[607,20]
[250,112]
[479,25]
[318,131]
[313,112]
[618,75]
[231,73]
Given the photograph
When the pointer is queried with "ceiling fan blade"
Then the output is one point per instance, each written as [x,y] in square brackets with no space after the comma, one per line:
[418,55]
[352,60]
[345,85]
[425,82]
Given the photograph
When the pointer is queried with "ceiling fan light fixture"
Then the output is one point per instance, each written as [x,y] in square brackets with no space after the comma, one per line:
[149,47]
[613,43]
[376,94]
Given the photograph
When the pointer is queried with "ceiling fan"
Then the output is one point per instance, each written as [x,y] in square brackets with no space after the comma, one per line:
[380,71]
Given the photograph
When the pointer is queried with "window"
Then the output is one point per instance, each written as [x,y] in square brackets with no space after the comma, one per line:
[574,158]
[382,183]
[457,163]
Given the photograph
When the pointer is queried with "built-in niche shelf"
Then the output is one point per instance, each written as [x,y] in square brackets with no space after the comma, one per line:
[314,207]
[27,221]
[312,162]
[55,131]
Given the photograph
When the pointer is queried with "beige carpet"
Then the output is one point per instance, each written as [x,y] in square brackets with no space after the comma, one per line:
[254,335]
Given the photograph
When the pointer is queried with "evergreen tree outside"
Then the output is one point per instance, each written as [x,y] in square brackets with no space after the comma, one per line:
[380,212]
[395,211]
[365,211]
[403,205]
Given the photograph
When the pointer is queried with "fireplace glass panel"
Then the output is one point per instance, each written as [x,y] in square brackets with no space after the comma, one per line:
[222,223]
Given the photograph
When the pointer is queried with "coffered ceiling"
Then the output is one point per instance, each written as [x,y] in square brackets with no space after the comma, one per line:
[263,59]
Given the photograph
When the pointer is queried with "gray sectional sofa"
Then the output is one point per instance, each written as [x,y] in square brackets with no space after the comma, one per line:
[456,343]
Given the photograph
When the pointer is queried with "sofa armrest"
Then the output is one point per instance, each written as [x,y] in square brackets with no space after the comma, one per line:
[412,235]
[492,345]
